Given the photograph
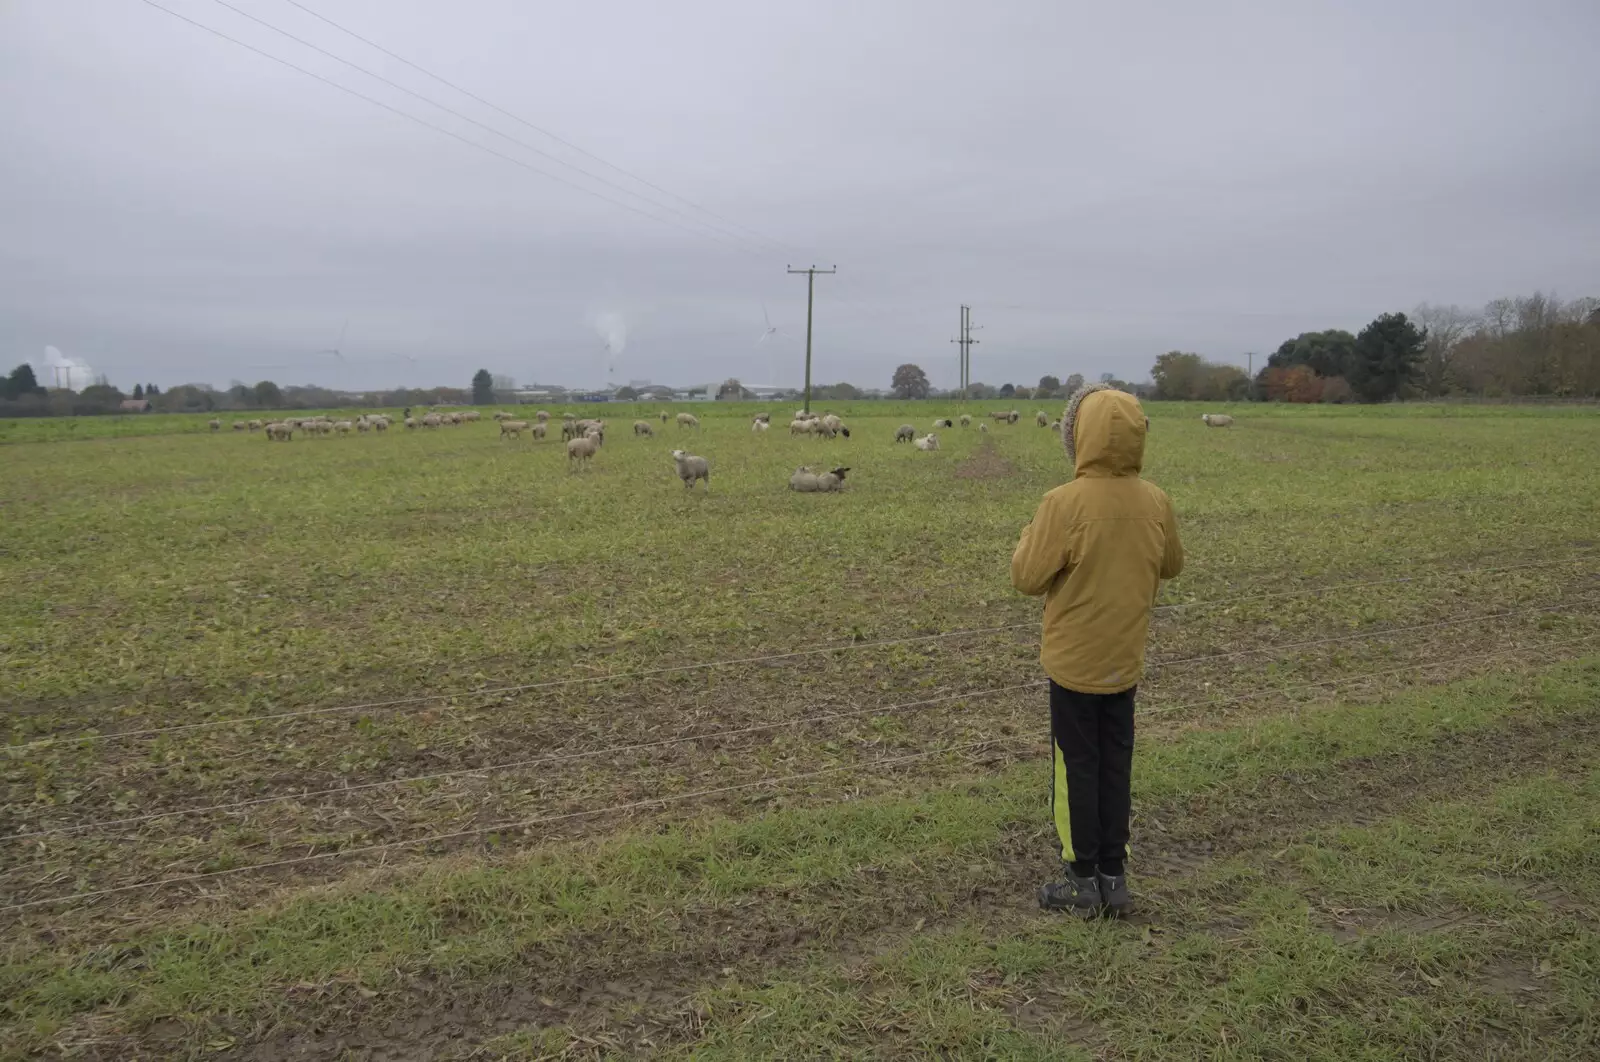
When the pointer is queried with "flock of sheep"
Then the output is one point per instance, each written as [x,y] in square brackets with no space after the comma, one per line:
[584,437]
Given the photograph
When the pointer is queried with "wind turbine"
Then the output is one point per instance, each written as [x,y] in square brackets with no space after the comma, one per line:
[770,332]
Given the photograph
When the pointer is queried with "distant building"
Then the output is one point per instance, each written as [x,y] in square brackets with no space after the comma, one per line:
[135,405]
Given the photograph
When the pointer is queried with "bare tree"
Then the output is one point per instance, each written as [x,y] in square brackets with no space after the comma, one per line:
[1447,326]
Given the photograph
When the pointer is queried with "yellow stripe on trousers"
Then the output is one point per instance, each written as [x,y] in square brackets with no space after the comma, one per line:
[1058,804]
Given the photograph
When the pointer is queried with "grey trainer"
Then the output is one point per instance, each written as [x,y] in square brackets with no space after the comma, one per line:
[1079,897]
[1114,894]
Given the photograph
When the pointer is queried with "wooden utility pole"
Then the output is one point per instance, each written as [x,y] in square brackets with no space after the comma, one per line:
[811,293]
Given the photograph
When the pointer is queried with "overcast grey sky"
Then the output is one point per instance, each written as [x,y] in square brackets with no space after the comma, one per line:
[1102,182]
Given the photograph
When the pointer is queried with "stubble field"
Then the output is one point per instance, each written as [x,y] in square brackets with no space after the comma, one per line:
[575,762]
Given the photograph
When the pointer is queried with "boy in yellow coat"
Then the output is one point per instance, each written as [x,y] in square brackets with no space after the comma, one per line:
[1097,551]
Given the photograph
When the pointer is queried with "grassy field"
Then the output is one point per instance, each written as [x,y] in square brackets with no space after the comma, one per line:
[418,671]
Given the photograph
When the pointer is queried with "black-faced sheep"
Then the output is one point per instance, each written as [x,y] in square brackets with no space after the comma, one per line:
[806,481]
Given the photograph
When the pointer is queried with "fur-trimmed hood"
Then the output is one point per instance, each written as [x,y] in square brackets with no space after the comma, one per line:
[1103,431]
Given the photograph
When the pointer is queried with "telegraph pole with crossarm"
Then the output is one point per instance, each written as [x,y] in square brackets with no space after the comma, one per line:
[811,294]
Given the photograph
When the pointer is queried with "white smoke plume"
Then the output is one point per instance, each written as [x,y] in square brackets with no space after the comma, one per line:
[62,371]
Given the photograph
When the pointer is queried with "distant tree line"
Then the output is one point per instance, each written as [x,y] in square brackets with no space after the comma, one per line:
[21,396]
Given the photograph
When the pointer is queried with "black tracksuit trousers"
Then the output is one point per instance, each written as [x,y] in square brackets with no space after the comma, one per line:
[1091,797]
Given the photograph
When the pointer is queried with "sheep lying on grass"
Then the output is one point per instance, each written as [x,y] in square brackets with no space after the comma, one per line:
[806,481]
[905,433]
[929,441]
[691,468]
[1216,420]
[944,422]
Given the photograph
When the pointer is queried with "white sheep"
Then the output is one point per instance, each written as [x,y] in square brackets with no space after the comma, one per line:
[469,416]
[642,427]
[216,425]
[688,420]
[984,428]
[513,428]
[238,425]
[1216,420]
[1042,418]
[691,468]
[582,449]
[759,426]
[276,430]
[966,420]
[432,420]
[831,421]
[538,429]
[944,422]
[905,433]
[806,481]
[411,422]
[663,416]
[929,441]
[254,425]
[502,415]
[541,416]
[343,427]
[802,427]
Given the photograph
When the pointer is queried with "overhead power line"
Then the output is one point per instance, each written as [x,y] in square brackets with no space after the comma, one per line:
[468,118]
[536,128]
[441,129]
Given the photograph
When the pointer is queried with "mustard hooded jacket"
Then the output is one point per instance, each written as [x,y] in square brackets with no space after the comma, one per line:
[1098,548]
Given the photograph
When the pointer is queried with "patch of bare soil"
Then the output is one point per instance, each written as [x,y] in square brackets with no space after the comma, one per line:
[985,464]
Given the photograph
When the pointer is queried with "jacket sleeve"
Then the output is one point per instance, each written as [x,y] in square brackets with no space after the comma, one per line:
[1172,557]
[1040,556]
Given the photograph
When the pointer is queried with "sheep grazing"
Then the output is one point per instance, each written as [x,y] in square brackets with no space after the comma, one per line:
[432,420]
[691,468]
[592,427]
[966,420]
[502,415]
[541,416]
[238,425]
[343,427]
[470,415]
[688,420]
[663,416]
[254,425]
[905,433]
[759,426]
[380,423]
[929,441]
[1042,418]
[582,449]
[411,422]
[642,427]
[513,428]
[1216,420]
[362,424]
[538,429]
[279,431]
[984,428]
[216,425]
[762,418]
[1055,425]
[832,422]
[805,481]
[802,427]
